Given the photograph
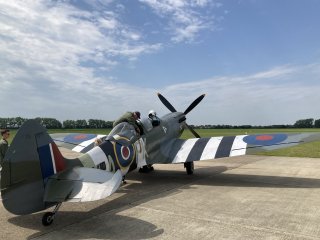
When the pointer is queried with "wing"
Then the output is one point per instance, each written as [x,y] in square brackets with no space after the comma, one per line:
[82,185]
[124,133]
[78,142]
[196,149]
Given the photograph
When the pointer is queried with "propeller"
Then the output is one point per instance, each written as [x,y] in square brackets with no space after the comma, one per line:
[166,103]
[193,131]
[194,104]
[191,106]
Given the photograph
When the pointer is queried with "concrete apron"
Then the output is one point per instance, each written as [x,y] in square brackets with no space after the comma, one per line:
[248,197]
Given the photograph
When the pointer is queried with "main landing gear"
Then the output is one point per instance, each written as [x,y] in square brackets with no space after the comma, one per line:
[189,166]
[146,169]
[48,217]
[124,180]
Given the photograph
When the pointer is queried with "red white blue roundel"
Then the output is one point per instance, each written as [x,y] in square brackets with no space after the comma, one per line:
[124,155]
[265,139]
[78,137]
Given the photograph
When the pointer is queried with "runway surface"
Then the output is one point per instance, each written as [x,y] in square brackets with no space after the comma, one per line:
[248,197]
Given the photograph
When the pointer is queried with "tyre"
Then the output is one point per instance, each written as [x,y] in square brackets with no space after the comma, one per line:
[47,218]
[189,167]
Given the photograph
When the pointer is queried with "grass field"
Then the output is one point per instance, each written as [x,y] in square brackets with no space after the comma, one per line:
[303,150]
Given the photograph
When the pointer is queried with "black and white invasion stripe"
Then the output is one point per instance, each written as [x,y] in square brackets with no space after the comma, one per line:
[210,148]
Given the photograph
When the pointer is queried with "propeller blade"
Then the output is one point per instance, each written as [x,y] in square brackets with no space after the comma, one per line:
[194,103]
[193,131]
[166,103]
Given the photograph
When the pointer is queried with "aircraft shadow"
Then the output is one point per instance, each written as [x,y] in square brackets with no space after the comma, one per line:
[114,228]
[146,187]
[211,176]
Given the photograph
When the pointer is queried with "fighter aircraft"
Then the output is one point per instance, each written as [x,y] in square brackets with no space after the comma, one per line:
[35,176]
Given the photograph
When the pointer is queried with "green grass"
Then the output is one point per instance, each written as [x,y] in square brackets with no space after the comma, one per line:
[303,150]
[233,132]
[311,150]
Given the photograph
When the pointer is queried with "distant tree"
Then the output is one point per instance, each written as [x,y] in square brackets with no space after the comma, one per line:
[3,122]
[97,123]
[11,123]
[304,123]
[245,126]
[92,123]
[317,123]
[108,124]
[20,121]
[69,124]
[51,123]
[81,124]
[101,123]
[280,126]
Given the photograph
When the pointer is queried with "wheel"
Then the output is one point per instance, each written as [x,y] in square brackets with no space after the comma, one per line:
[150,167]
[124,180]
[189,167]
[146,169]
[47,218]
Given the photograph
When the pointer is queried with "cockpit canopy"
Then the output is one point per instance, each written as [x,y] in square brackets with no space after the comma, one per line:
[123,133]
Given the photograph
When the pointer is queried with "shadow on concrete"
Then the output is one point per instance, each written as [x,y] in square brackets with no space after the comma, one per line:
[116,227]
[216,176]
[142,188]
[243,180]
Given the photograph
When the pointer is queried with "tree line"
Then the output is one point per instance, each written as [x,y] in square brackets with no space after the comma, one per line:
[302,123]
[52,123]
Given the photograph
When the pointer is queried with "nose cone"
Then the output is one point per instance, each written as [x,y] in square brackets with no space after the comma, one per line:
[182,119]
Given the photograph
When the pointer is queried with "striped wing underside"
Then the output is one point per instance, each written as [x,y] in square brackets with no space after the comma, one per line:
[218,147]
[196,149]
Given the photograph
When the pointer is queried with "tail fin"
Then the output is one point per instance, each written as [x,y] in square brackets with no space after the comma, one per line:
[30,160]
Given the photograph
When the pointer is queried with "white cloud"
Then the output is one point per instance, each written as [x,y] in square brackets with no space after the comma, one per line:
[108,23]
[50,52]
[57,43]
[36,33]
[45,50]
[280,95]
[185,18]
[277,72]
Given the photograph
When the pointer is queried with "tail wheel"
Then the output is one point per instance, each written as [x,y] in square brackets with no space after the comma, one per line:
[189,167]
[48,218]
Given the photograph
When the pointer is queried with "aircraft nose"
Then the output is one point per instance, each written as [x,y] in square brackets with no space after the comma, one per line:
[183,118]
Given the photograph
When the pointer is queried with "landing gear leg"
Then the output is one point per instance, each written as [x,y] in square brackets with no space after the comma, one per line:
[124,180]
[189,166]
[48,217]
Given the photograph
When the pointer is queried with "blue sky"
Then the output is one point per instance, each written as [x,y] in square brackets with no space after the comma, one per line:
[257,61]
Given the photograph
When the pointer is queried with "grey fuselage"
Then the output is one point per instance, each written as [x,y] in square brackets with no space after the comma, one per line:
[157,139]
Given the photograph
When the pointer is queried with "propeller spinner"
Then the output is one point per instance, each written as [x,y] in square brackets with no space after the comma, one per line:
[191,106]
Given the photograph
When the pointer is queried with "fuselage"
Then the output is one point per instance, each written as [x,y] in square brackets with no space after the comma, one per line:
[151,147]
[171,127]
